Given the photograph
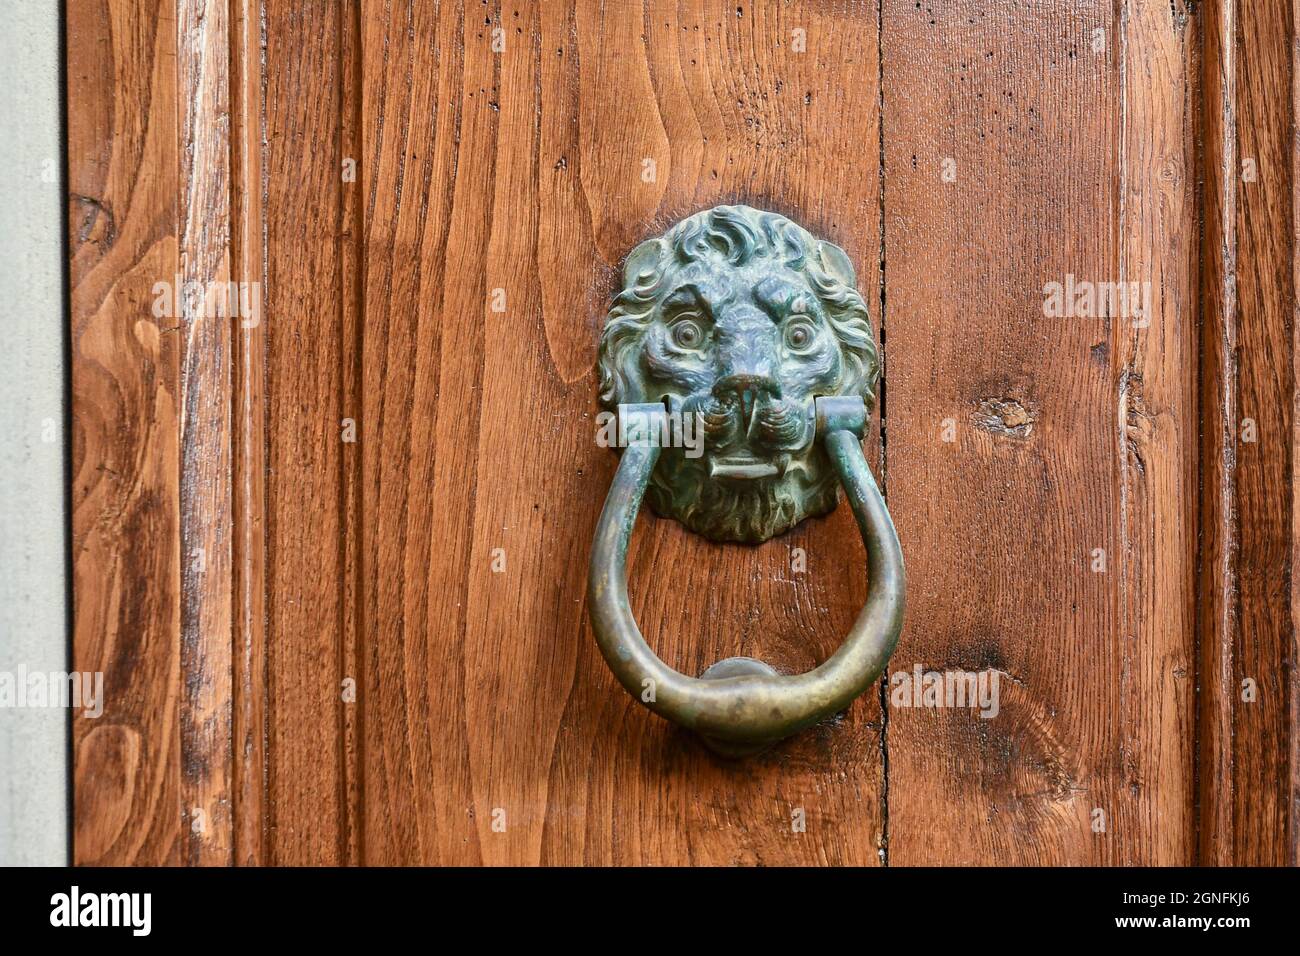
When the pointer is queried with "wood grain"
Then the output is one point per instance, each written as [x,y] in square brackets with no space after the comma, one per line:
[1248,777]
[522,171]
[1216,606]
[1051,540]
[249,677]
[1264,796]
[149,183]
[1292,849]
[126,397]
[1152,821]
[205,464]
[1263,803]
[306,453]
[237,563]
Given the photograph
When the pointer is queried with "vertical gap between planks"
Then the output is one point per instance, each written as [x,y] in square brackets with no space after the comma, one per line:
[1115,329]
[349,238]
[884,461]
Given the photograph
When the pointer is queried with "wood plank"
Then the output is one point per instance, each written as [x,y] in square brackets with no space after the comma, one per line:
[517,170]
[1266,391]
[1156,416]
[248,447]
[424,253]
[1248,782]
[305,408]
[1069,434]
[216,788]
[123,229]
[203,51]
[1216,602]
[154,579]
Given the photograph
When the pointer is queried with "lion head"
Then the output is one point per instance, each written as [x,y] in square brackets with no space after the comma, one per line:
[740,317]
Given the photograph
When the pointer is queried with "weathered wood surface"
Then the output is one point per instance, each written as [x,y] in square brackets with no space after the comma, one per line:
[383,655]
[1248,791]
[519,170]
[1042,468]
[124,224]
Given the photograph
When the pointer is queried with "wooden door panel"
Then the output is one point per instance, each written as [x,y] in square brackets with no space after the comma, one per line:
[125,503]
[479,448]
[307,353]
[332,561]
[1249,771]
[1040,469]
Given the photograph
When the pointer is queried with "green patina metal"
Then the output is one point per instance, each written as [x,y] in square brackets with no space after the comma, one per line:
[735,319]
[740,323]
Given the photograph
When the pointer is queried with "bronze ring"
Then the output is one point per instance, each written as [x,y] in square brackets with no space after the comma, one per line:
[741,706]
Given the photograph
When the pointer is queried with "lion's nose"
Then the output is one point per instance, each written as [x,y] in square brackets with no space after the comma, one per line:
[745,389]
[746,344]
[759,380]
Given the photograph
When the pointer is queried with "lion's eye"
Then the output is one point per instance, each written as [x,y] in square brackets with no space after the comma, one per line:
[687,334]
[799,335]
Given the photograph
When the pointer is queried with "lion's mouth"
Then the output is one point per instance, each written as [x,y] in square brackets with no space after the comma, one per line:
[749,468]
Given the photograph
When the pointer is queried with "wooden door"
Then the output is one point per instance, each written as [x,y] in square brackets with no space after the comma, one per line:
[330,546]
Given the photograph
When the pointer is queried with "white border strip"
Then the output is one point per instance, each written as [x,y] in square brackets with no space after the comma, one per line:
[33,611]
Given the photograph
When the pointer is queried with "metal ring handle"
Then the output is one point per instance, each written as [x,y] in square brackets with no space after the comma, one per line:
[740,705]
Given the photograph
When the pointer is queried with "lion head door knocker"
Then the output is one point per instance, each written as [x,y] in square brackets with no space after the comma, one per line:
[740,361]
